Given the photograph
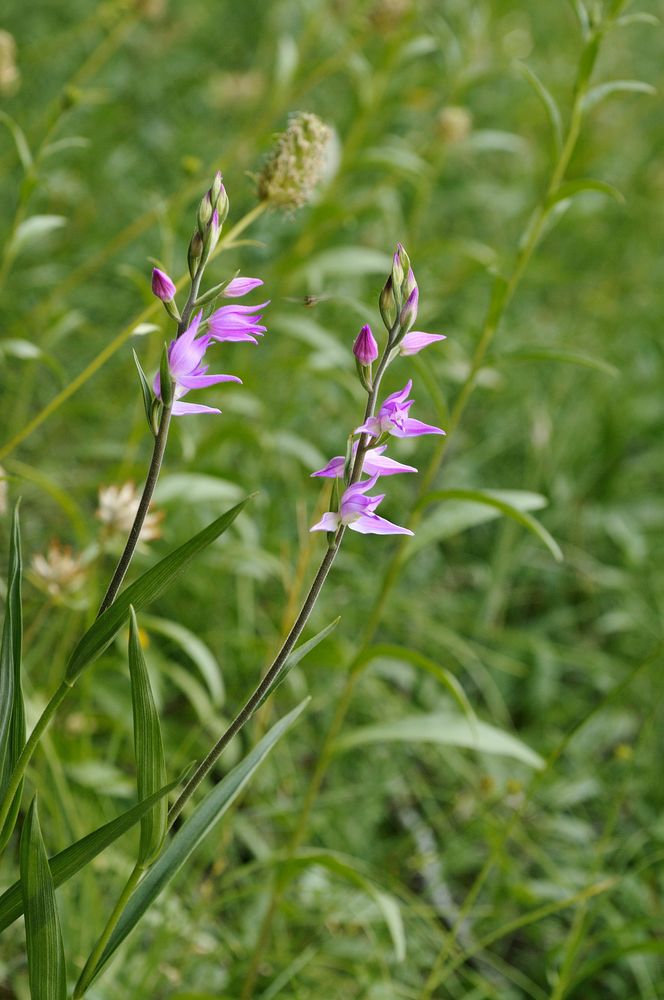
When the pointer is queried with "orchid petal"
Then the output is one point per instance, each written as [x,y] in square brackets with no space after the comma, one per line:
[328,522]
[372,524]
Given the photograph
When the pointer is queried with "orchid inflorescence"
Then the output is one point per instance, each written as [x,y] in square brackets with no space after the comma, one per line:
[183,364]
[398,304]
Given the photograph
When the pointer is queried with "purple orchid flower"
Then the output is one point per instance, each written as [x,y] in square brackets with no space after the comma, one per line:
[374,464]
[365,347]
[238,287]
[357,512]
[237,323]
[393,418]
[185,357]
[416,341]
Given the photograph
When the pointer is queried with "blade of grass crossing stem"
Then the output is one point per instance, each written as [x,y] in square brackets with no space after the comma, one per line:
[190,835]
[148,748]
[46,956]
[144,590]
[12,711]
[298,654]
[72,859]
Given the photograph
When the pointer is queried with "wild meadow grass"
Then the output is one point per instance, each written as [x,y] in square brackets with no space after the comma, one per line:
[470,803]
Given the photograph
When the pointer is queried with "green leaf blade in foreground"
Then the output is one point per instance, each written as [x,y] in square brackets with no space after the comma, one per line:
[46,956]
[144,590]
[294,658]
[12,710]
[444,729]
[148,748]
[190,835]
[72,859]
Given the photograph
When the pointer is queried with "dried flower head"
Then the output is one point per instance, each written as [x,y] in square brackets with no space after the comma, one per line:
[9,73]
[117,510]
[60,573]
[296,164]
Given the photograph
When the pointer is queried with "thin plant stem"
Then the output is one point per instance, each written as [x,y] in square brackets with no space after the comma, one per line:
[87,974]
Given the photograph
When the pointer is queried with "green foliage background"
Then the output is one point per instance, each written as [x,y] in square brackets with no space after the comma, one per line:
[567,656]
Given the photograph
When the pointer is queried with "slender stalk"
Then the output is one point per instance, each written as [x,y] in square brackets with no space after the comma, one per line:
[87,974]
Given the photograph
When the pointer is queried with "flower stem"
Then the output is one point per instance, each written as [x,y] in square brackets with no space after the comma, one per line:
[88,972]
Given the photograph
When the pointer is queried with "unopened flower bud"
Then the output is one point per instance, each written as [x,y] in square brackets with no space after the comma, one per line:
[365,347]
[204,213]
[222,205]
[387,304]
[408,314]
[211,237]
[296,163]
[409,284]
[400,267]
[195,252]
[162,286]
[217,187]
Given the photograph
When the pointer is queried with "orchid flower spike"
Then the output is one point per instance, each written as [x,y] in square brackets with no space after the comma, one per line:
[374,465]
[357,512]
[185,362]
[393,418]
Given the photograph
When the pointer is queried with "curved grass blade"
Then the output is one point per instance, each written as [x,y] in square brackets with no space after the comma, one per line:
[12,711]
[144,590]
[604,90]
[444,729]
[46,955]
[550,106]
[571,188]
[72,859]
[493,499]
[554,354]
[412,656]
[149,749]
[190,835]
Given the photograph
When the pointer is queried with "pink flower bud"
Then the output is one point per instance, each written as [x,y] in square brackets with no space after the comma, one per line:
[162,286]
[408,314]
[365,347]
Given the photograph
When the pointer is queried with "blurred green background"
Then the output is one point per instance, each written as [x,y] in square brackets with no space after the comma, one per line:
[440,142]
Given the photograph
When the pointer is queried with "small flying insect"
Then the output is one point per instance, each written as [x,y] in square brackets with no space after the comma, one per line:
[309,301]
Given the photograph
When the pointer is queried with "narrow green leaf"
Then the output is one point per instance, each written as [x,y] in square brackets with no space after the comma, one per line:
[46,956]
[294,658]
[18,135]
[12,711]
[582,16]
[195,649]
[571,188]
[148,748]
[189,836]
[416,659]
[550,106]
[493,498]
[445,729]
[554,354]
[146,389]
[349,869]
[35,229]
[604,90]
[638,17]
[72,859]
[144,590]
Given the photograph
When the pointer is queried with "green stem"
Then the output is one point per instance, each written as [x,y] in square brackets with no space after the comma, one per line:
[87,975]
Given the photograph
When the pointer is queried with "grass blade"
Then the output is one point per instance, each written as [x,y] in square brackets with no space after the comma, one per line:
[46,956]
[12,711]
[149,749]
[144,590]
[190,835]
[72,859]
[294,658]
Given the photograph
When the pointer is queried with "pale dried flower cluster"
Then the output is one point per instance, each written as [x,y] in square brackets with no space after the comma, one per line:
[117,510]
[454,124]
[59,572]
[297,162]
[9,73]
